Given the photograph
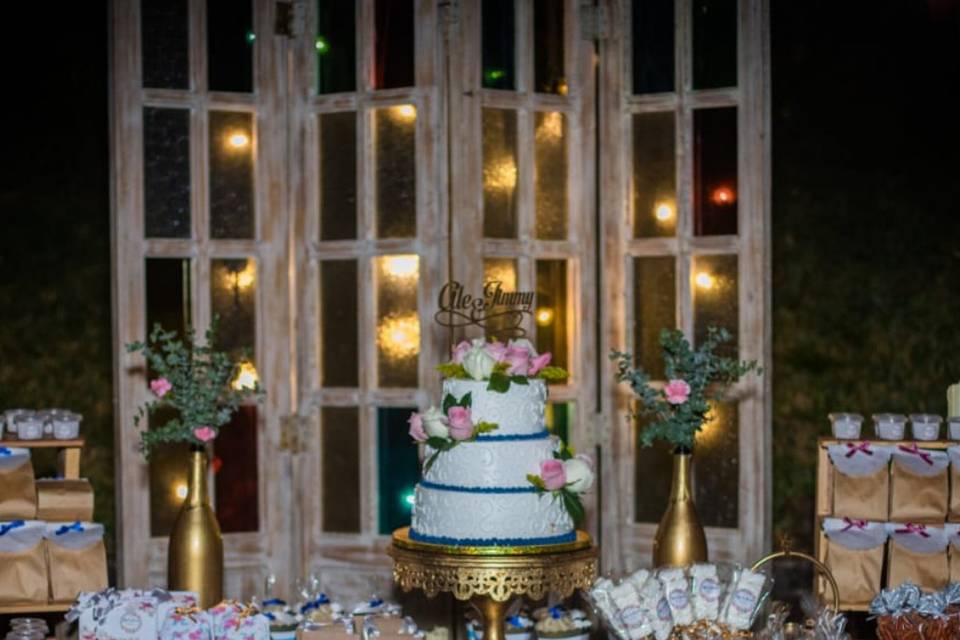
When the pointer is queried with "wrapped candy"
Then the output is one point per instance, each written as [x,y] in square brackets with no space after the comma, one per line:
[906,613]
[654,602]
[231,620]
[627,622]
[743,599]
[677,591]
[705,591]
[185,623]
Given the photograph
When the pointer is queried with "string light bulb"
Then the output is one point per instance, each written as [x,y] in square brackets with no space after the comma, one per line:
[402,267]
[544,316]
[722,196]
[246,378]
[405,112]
[180,490]
[705,280]
[238,140]
[663,211]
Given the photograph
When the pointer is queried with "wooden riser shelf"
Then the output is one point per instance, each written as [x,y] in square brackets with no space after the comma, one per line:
[35,607]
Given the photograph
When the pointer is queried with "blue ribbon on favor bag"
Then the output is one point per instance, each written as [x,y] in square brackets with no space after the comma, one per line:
[274,602]
[5,451]
[375,602]
[315,604]
[67,528]
[13,524]
[515,621]
[556,612]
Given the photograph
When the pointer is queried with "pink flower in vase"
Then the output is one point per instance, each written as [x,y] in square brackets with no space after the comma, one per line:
[459,351]
[461,424]
[160,387]
[553,474]
[204,434]
[539,362]
[416,427]
[518,361]
[677,391]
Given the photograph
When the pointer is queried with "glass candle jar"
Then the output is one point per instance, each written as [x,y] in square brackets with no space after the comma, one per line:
[890,426]
[846,426]
[925,426]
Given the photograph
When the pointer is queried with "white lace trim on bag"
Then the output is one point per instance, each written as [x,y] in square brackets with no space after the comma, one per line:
[858,535]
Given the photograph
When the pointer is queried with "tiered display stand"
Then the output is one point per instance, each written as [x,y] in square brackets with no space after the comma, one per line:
[69,466]
[489,577]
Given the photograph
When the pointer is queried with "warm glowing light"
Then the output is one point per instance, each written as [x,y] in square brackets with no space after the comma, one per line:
[712,427]
[544,316]
[246,378]
[562,88]
[500,176]
[238,140]
[663,211]
[180,490]
[410,499]
[321,45]
[241,279]
[551,127]
[503,272]
[405,267]
[406,112]
[722,195]
[398,336]
[705,280]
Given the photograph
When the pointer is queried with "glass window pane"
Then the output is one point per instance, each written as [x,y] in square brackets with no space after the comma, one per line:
[231,175]
[166,172]
[499,173]
[235,471]
[168,294]
[169,467]
[394,44]
[714,43]
[653,33]
[559,419]
[230,41]
[396,161]
[715,299]
[233,299]
[499,54]
[336,47]
[551,314]
[654,309]
[504,272]
[717,468]
[654,175]
[338,318]
[164,41]
[548,47]
[652,473]
[340,468]
[550,150]
[338,176]
[715,171]
[398,323]
[398,465]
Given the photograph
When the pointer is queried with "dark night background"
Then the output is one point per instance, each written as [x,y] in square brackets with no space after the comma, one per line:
[866,223]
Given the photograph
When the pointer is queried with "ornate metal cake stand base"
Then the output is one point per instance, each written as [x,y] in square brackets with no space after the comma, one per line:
[489,577]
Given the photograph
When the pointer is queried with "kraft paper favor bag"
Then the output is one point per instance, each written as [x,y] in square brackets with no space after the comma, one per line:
[919,487]
[18,492]
[861,480]
[64,500]
[23,563]
[78,559]
[855,557]
[918,554]
[953,550]
[954,454]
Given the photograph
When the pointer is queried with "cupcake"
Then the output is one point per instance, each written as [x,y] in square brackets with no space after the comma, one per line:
[517,627]
[283,620]
[321,611]
[559,623]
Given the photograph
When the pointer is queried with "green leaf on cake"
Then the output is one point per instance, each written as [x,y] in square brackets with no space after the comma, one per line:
[499,382]
[448,402]
[553,373]
[519,379]
[430,461]
[537,482]
[565,453]
[452,370]
[438,443]
[485,427]
[571,502]
[466,401]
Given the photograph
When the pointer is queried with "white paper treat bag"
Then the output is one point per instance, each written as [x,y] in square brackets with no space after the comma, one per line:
[23,565]
[78,559]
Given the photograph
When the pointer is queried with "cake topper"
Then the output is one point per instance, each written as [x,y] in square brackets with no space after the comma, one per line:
[457,308]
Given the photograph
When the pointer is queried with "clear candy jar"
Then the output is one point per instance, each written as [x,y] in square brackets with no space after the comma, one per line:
[846,426]
[65,424]
[30,425]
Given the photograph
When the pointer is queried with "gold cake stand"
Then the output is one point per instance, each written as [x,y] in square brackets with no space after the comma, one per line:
[489,577]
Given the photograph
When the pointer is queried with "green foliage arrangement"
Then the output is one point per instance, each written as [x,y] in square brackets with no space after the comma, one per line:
[194,381]
[695,378]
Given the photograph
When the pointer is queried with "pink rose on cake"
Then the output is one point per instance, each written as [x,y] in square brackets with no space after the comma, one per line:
[441,430]
[461,426]
[565,477]
[500,363]
[553,474]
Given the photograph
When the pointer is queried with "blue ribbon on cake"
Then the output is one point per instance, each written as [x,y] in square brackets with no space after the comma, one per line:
[493,542]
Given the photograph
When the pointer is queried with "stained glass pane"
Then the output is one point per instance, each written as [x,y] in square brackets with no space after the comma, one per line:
[393,44]
[499,54]
[164,42]
[398,465]
[396,166]
[654,175]
[230,42]
[235,472]
[717,468]
[559,419]
[654,309]
[549,74]
[714,43]
[233,299]
[338,324]
[715,171]
[398,323]
[652,42]
[166,172]
[551,313]
[715,298]
[231,175]
[504,272]
[340,468]
[338,176]
[335,45]
[499,173]
[550,149]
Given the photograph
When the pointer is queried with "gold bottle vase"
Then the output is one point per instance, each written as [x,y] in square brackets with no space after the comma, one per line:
[195,555]
[680,539]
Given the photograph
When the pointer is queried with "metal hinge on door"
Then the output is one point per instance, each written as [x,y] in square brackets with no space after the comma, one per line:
[291,18]
[594,21]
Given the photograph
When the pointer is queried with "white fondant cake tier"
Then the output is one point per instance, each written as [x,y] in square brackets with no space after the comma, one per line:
[474,518]
[491,463]
[519,411]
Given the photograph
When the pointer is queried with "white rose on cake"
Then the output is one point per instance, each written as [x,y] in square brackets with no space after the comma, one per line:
[477,362]
[435,423]
[579,473]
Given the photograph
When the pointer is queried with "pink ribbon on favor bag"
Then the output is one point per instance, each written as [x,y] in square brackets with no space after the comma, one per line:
[910,527]
[913,449]
[860,447]
[854,524]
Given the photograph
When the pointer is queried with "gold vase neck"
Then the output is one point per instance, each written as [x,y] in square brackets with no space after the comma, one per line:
[680,488]
[197,479]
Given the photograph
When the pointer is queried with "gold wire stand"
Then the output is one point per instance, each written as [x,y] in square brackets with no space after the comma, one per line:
[489,577]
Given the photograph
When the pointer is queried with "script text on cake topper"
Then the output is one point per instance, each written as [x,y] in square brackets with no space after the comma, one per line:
[457,308]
